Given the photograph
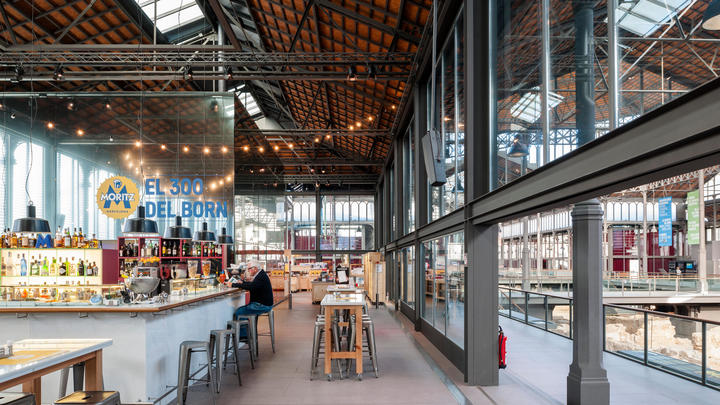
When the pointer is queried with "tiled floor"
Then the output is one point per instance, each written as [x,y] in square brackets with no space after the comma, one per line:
[283,378]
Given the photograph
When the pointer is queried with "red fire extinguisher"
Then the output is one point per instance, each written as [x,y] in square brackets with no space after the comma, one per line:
[502,341]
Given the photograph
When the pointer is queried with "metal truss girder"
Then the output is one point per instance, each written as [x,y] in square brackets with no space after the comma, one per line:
[313,162]
[306,179]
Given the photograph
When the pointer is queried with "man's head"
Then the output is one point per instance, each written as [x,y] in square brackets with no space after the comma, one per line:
[253,267]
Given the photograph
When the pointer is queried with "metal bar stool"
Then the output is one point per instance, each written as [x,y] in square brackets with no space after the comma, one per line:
[271,323]
[187,348]
[369,330]
[217,337]
[250,347]
[252,329]
[78,378]
[319,343]
[90,397]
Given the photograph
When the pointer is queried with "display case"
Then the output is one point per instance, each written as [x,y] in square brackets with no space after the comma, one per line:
[51,266]
[191,286]
[198,256]
[37,295]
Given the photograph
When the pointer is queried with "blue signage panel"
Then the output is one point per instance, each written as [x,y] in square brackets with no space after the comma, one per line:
[665,221]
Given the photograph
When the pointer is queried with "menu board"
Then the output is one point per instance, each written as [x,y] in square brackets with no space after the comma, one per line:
[693,217]
[665,221]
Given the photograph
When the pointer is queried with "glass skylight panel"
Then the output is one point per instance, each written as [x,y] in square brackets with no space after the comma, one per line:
[250,104]
[529,107]
[644,17]
[171,14]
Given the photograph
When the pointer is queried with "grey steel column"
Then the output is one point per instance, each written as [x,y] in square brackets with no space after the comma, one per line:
[584,72]
[481,303]
[587,382]
[525,255]
[421,197]
[545,84]
[538,252]
[613,67]
[481,280]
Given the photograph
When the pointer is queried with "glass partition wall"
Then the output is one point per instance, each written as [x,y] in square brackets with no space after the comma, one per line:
[177,149]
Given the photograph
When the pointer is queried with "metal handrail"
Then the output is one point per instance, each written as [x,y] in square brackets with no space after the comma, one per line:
[668,366]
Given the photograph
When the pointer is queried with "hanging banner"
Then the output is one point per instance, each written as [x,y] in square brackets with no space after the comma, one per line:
[693,217]
[665,221]
[117,197]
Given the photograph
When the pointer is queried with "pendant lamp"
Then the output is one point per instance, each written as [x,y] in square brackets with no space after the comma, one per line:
[31,224]
[204,235]
[711,17]
[178,231]
[224,238]
[518,149]
[140,226]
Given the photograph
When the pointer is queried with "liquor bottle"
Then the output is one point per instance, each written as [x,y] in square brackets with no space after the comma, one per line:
[89,270]
[81,239]
[96,243]
[24,241]
[67,240]
[74,238]
[3,268]
[4,237]
[58,238]
[136,249]
[54,268]
[13,240]
[44,271]
[9,269]
[23,266]
[62,269]
[32,240]
[34,267]
[81,268]
[72,268]
[96,270]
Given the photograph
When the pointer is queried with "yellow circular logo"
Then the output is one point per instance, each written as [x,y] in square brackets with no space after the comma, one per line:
[118,197]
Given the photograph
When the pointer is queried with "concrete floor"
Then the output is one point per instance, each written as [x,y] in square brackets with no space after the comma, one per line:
[412,371]
[406,377]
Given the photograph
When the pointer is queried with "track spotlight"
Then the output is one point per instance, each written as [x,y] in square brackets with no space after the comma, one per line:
[13,116]
[50,125]
[188,74]
[228,73]
[80,132]
[371,72]
[71,105]
[352,74]
[59,73]
[19,73]
[214,106]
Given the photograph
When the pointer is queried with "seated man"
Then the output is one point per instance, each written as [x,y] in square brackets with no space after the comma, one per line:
[261,293]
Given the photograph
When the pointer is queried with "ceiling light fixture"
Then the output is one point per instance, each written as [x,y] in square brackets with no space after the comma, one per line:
[328,137]
[246,148]
[261,149]
[163,147]
[140,226]
[138,144]
[80,132]
[317,139]
[352,74]
[276,148]
[206,150]
[50,125]
[186,149]
[188,74]
[178,231]
[58,73]
[224,149]
[228,73]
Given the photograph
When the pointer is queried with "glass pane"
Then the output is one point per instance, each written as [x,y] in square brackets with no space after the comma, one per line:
[504,301]
[624,332]
[713,355]
[559,314]
[536,310]
[518,305]
[455,281]
[440,290]
[675,344]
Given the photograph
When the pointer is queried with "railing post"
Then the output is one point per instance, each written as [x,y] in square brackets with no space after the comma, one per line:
[604,316]
[704,353]
[510,303]
[545,303]
[571,319]
[645,338]
[527,298]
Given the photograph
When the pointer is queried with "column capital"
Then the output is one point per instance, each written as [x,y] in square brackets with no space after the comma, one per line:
[591,209]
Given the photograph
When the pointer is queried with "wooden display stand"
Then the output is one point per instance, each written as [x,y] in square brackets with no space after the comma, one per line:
[374,279]
[319,289]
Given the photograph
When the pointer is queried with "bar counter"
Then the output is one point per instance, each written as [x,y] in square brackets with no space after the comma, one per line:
[143,360]
[174,301]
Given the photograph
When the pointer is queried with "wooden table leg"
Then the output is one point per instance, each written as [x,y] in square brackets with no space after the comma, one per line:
[93,373]
[34,386]
[329,312]
[358,341]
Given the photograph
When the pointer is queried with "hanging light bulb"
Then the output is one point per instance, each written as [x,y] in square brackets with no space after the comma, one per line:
[138,144]
[261,149]
[163,147]
[246,148]
[276,148]
[59,72]
[186,149]
[80,132]
[290,145]
[327,137]
[206,150]
[224,149]
[317,139]
[50,125]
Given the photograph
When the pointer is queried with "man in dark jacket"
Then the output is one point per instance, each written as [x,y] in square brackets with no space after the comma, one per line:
[257,282]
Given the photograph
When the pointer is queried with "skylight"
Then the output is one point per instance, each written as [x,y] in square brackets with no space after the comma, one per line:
[248,101]
[171,14]
[529,108]
[644,17]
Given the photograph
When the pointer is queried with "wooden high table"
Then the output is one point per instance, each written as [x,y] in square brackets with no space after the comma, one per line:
[337,302]
[34,358]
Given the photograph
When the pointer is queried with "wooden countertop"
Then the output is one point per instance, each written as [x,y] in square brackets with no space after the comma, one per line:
[134,308]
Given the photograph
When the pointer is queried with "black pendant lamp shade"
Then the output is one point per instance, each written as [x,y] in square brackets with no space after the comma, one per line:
[204,235]
[178,231]
[711,18]
[31,224]
[140,225]
[224,238]
[518,149]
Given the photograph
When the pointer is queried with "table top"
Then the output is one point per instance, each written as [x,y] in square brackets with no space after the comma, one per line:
[30,355]
[342,287]
[343,300]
